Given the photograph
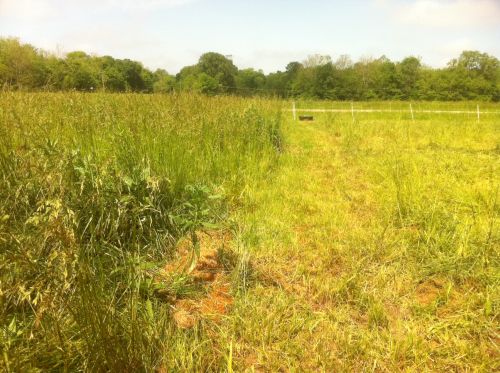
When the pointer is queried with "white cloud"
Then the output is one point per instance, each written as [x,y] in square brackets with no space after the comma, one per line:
[444,13]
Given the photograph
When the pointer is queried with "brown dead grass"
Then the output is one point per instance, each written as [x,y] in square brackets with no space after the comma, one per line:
[429,291]
[209,273]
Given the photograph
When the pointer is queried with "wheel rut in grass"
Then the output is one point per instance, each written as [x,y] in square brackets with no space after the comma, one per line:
[321,206]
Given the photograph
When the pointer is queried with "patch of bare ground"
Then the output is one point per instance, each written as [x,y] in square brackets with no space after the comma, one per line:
[428,291]
[208,273]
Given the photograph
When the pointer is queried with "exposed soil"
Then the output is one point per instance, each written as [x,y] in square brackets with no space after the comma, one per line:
[210,274]
[429,291]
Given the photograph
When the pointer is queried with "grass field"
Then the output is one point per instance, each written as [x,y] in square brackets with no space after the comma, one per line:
[95,192]
[336,245]
[377,248]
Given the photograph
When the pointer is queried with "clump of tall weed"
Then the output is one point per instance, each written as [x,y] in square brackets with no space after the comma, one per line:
[94,192]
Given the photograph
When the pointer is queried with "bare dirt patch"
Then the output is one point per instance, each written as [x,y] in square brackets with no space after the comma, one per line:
[429,291]
[209,272]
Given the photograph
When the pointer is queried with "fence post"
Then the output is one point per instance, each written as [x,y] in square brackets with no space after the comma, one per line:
[294,111]
[352,110]
[411,110]
[478,112]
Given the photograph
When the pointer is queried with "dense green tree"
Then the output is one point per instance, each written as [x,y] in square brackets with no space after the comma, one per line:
[132,71]
[293,70]
[220,68]
[384,81]
[473,75]
[408,75]
[346,85]
[276,84]
[250,81]
[188,77]
[110,77]
[207,84]
[55,71]
[21,66]
[163,82]
[323,82]
[81,72]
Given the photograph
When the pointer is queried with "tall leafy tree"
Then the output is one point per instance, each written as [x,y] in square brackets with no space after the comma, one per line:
[473,75]
[21,66]
[220,68]
[163,81]
[408,75]
[81,72]
[250,82]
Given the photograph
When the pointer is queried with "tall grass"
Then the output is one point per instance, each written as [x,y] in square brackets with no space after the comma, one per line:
[95,189]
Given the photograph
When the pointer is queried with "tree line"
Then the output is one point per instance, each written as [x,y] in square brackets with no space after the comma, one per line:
[471,76]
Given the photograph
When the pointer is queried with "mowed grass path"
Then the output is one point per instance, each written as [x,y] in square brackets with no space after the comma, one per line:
[374,247]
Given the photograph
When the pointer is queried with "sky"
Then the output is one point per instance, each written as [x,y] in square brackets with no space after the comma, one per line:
[263,34]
